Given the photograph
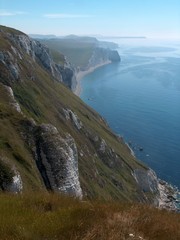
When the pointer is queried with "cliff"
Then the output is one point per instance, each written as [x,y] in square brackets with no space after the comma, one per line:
[50,139]
[84,52]
[20,44]
[100,56]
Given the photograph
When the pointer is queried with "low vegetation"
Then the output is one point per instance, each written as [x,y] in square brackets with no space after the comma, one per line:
[50,216]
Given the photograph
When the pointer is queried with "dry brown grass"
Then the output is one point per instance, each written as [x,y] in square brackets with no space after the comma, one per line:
[50,216]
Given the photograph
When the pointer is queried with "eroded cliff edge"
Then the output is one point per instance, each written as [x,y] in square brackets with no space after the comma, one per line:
[85,54]
[51,140]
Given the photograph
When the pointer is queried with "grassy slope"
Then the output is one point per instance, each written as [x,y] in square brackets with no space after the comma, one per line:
[43,99]
[47,216]
[49,109]
[13,150]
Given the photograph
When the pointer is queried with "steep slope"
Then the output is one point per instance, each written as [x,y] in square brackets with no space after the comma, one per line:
[50,139]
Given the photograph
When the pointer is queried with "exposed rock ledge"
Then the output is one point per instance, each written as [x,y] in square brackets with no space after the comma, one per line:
[57,160]
[165,193]
[13,103]
[17,185]
[21,44]
[167,196]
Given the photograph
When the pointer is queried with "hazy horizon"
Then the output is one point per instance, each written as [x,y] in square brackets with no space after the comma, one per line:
[152,19]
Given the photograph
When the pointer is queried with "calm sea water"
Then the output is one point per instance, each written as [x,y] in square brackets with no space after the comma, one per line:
[140,99]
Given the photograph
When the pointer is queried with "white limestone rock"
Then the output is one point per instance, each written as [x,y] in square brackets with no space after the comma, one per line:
[16,185]
[147,180]
[13,101]
[103,146]
[164,193]
[11,63]
[58,161]
[70,115]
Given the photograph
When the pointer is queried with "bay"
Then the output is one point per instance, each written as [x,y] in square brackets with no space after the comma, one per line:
[140,99]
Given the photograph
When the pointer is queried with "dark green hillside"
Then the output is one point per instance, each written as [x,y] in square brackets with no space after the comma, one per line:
[106,165]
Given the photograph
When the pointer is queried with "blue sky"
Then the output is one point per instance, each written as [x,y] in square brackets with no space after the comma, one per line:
[151,18]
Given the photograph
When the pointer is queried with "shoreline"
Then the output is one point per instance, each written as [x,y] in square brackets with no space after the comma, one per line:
[169,196]
[81,74]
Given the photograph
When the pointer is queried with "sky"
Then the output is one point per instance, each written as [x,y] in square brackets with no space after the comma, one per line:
[150,18]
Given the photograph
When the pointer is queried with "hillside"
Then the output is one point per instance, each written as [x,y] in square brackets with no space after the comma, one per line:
[50,139]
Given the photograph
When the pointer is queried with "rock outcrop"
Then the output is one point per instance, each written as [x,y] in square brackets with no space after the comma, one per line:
[70,115]
[12,101]
[16,185]
[21,43]
[101,56]
[164,192]
[10,179]
[147,180]
[57,160]
[68,75]
[114,56]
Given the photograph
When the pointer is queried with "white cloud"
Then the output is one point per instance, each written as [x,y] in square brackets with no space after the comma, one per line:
[63,15]
[6,13]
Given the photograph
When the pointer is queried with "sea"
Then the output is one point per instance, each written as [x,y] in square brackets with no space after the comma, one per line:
[140,99]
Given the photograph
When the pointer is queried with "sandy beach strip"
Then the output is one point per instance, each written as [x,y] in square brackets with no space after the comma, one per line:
[81,74]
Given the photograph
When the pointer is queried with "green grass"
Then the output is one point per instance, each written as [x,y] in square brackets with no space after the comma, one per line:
[50,216]
[28,99]
[58,57]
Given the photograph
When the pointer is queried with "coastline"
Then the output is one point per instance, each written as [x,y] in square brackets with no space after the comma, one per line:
[168,196]
[80,74]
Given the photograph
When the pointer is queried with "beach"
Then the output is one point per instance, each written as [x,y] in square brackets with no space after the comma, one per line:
[80,74]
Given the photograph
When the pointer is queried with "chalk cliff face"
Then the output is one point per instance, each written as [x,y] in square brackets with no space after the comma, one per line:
[51,140]
[83,52]
[20,44]
[101,56]
[57,160]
